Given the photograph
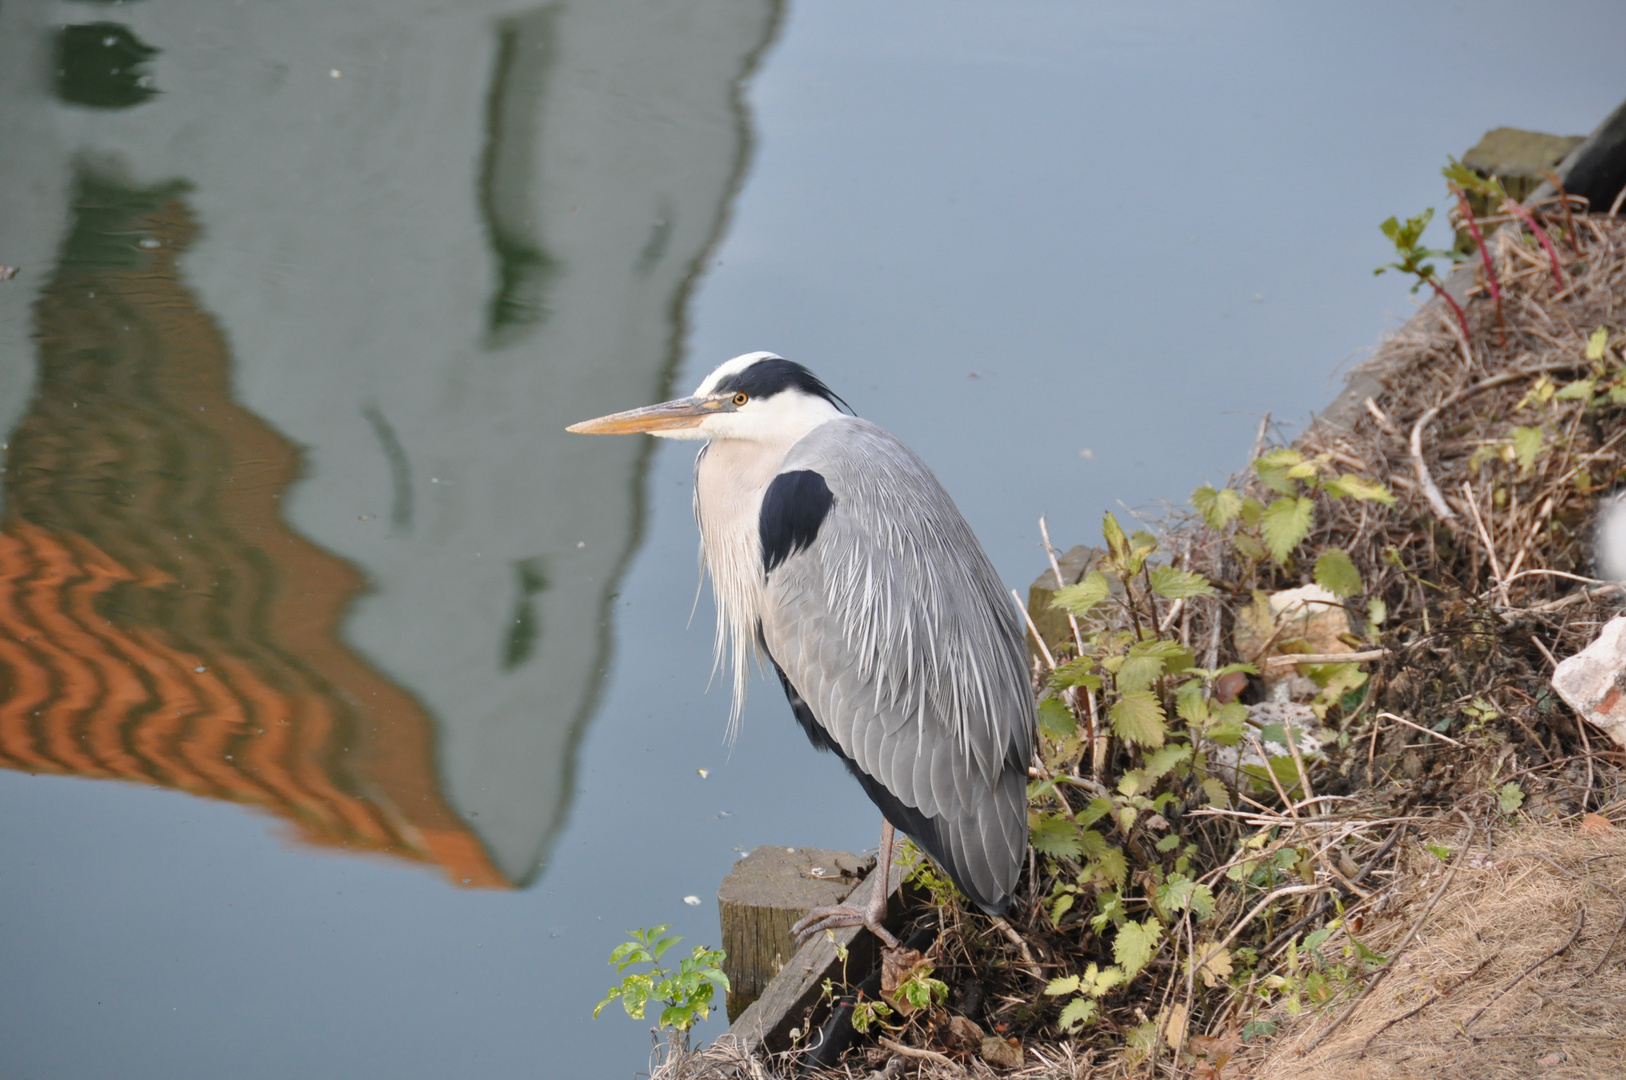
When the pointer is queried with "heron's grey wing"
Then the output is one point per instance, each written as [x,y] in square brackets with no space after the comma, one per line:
[900,649]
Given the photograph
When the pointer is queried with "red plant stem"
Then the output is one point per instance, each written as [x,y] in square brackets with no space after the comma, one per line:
[1485,257]
[1511,207]
[1462,316]
[1564,201]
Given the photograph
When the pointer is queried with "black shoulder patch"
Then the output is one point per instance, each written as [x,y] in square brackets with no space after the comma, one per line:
[793,508]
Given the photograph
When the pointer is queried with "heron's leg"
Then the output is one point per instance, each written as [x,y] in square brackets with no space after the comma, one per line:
[871,916]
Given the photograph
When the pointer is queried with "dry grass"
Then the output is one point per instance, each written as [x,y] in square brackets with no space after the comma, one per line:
[1518,972]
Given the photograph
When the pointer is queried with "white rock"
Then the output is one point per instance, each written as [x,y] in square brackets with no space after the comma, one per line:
[1228,761]
[1593,681]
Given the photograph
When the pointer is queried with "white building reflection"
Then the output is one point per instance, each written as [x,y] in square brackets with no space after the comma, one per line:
[431,236]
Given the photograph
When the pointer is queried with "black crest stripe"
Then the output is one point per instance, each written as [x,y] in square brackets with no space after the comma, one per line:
[765,378]
[793,508]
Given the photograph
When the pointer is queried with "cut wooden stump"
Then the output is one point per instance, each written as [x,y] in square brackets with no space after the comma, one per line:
[765,893]
[767,1021]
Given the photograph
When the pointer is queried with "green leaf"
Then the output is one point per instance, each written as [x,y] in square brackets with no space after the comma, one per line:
[1138,718]
[1079,1011]
[1597,344]
[1527,446]
[1173,584]
[677,1016]
[1227,729]
[1358,487]
[1067,985]
[1135,945]
[1509,797]
[1076,673]
[1215,790]
[1138,673]
[1248,547]
[1189,703]
[1179,892]
[1113,534]
[1077,600]
[1094,811]
[1054,835]
[1217,507]
[1098,982]
[1376,612]
[1276,469]
[1579,390]
[1468,180]
[1160,762]
[1335,572]
[1285,524]
[1055,718]
[1109,868]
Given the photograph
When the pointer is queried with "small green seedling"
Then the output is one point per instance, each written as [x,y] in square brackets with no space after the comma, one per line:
[1417,260]
[685,994]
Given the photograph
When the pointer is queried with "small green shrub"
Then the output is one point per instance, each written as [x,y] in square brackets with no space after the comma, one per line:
[685,994]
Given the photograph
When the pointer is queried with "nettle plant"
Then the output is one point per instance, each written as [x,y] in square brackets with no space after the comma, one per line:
[1142,674]
[1114,845]
[685,994]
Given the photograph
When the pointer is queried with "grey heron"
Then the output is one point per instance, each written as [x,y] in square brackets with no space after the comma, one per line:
[834,552]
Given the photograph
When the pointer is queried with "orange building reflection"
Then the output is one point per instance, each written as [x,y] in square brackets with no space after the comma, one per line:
[159,622]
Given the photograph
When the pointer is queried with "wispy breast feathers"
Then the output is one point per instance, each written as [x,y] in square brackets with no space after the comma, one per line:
[793,508]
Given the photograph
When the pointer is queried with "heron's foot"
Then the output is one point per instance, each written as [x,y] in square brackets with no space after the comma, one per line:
[821,919]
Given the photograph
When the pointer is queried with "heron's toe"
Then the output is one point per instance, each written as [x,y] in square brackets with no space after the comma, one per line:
[820,919]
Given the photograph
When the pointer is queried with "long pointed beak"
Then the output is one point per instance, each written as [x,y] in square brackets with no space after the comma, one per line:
[680,413]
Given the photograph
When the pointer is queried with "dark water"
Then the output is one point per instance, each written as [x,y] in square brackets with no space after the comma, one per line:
[307,294]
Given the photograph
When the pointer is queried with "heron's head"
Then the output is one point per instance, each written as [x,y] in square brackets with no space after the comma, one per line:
[759,397]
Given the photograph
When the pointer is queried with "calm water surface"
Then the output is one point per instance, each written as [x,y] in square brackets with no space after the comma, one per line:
[350,709]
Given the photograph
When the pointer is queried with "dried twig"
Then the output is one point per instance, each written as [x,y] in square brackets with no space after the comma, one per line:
[1425,479]
[1034,630]
[1418,727]
[921,1055]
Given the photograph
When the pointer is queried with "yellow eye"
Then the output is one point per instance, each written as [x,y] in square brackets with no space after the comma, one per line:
[740,399]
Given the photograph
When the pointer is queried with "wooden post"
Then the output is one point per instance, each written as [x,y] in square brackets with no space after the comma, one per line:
[765,893]
[767,1022]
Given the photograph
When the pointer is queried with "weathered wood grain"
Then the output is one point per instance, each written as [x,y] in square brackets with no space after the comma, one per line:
[766,892]
[785,1000]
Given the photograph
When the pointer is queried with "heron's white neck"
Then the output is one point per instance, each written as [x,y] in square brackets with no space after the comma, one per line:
[730,477]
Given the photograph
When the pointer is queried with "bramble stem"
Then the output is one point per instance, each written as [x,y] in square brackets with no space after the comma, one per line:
[1529,220]
[1485,257]
[1462,316]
